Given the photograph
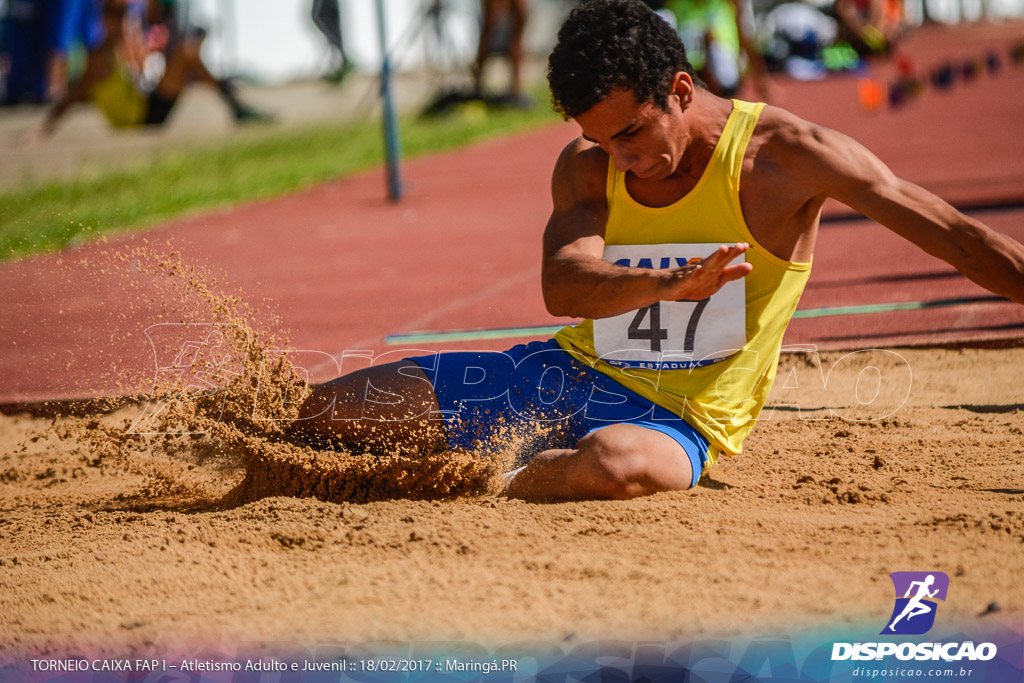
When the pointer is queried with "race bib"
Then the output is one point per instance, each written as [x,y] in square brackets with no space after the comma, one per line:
[672,335]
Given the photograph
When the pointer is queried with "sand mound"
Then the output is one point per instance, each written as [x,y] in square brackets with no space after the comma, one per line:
[226,390]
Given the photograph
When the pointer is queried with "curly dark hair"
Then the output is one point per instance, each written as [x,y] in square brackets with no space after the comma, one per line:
[608,44]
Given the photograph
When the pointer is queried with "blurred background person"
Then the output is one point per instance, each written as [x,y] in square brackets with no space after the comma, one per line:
[871,27]
[327,18]
[118,78]
[501,32]
[719,43]
[801,39]
[78,26]
[37,38]
[26,34]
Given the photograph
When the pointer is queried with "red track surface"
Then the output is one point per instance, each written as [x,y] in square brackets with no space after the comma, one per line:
[342,267]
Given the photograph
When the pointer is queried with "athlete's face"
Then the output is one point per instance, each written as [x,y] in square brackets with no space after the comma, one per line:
[641,137]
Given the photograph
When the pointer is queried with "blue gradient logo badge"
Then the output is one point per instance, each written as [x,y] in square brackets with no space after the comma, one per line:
[917,596]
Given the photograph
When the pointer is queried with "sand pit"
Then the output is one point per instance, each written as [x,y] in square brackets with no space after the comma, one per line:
[196,525]
[134,548]
[233,540]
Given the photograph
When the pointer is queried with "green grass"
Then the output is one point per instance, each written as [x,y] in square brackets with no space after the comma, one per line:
[256,165]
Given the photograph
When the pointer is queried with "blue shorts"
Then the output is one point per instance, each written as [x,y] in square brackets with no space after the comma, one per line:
[538,396]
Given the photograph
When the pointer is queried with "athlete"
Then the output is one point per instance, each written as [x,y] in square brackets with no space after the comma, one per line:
[495,14]
[112,76]
[916,606]
[682,231]
[717,40]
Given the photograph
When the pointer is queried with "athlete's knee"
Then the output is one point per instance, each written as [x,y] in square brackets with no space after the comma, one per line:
[621,465]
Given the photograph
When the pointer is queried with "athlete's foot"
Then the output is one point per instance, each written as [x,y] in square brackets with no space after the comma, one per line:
[341,73]
[507,478]
[514,100]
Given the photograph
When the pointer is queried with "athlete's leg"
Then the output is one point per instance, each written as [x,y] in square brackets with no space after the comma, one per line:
[491,10]
[618,462]
[382,409]
[518,11]
[723,69]
[184,64]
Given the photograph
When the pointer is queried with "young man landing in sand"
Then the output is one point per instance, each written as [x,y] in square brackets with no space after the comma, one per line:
[682,233]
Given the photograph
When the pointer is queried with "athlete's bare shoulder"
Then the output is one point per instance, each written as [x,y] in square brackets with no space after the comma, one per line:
[782,121]
[579,205]
[582,152]
[814,160]
[783,137]
[781,188]
[580,173]
[775,178]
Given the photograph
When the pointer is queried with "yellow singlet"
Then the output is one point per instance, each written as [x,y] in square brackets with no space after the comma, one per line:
[712,362]
[119,100]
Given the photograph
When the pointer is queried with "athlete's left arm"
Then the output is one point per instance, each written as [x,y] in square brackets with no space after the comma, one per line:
[830,164]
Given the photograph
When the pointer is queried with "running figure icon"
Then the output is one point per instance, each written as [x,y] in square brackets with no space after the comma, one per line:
[917,595]
[916,606]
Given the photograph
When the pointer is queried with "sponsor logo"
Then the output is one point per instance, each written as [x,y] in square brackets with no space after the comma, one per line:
[916,603]
[947,652]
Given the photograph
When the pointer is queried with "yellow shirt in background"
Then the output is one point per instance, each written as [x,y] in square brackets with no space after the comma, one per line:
[119,99]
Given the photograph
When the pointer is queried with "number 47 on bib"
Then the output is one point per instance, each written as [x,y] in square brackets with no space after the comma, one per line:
[672,334]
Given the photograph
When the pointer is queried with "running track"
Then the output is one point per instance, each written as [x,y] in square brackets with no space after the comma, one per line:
[345,270]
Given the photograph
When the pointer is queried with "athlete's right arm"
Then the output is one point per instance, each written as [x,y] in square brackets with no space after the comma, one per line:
[57,111]
[576,282]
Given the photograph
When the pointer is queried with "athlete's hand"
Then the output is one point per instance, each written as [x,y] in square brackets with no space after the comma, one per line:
[700,280]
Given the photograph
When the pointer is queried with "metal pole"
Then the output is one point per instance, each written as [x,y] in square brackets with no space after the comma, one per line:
[229,38]
[183,18]
[392,139]
[341,37]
